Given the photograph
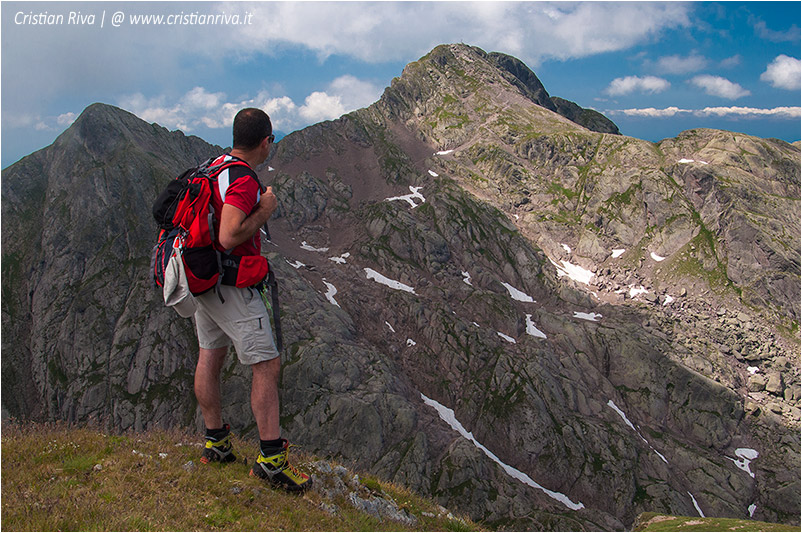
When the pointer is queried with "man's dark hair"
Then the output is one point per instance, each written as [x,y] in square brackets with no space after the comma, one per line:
[251,126]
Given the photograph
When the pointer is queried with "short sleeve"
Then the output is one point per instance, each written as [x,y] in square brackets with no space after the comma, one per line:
[243,193]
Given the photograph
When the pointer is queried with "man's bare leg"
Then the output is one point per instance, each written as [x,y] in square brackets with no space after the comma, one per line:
[207,385]
[264,398]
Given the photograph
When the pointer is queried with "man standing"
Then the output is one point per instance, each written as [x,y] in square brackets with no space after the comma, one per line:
[239,315]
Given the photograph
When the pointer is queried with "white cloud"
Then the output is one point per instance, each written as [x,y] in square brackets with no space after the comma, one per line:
[730,62]
[676,64]
[66,119]
[718,86]
[199,107]
[791,35]
[321,106]
[780,112]
[281,111]
[652,112]
[38,122]
[783,73]
[630,84]
[343,95]
[355,93]
[745,112]
[392,31]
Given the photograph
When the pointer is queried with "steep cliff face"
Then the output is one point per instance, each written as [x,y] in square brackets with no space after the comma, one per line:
[84,334]
[541,325]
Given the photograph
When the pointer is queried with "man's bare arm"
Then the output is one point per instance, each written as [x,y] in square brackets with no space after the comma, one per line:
[236,227]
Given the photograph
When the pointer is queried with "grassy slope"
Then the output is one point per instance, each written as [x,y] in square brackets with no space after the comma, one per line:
[57,478]
[658,522]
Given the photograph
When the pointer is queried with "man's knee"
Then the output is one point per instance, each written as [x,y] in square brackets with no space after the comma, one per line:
[211,360]
[267,369]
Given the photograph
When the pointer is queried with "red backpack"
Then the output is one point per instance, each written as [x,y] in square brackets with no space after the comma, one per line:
[186,219]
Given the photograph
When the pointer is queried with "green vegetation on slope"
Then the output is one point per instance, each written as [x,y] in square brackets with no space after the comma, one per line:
[56,478]
[658,522]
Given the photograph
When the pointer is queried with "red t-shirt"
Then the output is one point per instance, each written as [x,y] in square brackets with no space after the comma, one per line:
[238,186]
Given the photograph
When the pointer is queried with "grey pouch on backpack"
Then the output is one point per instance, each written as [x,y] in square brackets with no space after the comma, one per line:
[176,287]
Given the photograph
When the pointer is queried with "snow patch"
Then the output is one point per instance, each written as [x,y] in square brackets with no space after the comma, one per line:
[752,509]
[448,416]
[506,337]
[745,457]
[626,420]
[575,272]
[618,252]
[517,295]
[415,193]
[340,260]
[684,161]
[310,248]
[411,343]
[657,257]
[532,330]
[696,504]
[390,326]
[668,299]
[296,265]
[444,152]
[633,291]
[623,416]
[332,290]
[566,248]
[752,369]
[663,457]
[593,317]
[378,278]
[466,278]
[433,174]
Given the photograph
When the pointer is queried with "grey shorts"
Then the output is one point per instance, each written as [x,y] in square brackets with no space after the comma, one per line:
[242,319]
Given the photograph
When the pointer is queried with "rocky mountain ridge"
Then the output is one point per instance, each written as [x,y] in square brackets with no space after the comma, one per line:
[610,322]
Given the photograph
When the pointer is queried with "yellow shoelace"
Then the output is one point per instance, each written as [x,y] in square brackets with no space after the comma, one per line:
[294,470]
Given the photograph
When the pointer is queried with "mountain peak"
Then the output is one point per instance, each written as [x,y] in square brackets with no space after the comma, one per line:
[102,130]
[462,74]
[523,78]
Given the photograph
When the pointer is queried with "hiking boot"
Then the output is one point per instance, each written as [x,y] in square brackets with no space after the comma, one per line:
[276,469]
[218,450]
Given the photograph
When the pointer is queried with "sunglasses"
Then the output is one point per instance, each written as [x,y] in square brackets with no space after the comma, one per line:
[271,138]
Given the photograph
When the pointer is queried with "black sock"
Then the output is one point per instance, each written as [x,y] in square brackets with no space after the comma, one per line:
[271,446]
[216,434]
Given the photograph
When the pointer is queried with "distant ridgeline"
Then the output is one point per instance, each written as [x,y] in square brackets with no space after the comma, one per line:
[488,295]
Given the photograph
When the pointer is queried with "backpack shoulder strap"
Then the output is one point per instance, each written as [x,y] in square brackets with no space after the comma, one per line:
[214,172]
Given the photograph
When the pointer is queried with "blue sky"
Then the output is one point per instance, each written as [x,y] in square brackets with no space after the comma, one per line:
[654,68]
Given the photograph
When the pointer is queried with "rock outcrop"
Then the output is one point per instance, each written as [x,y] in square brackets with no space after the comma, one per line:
[543,326]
